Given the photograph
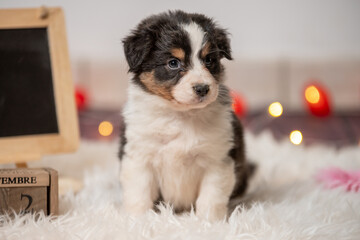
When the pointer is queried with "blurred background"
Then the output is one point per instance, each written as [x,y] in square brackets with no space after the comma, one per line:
[281,50]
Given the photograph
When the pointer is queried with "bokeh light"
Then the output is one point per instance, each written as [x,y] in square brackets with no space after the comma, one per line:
[81,98]
[275,109]
[238,104]
[105,128]
[296,137]
[312,94]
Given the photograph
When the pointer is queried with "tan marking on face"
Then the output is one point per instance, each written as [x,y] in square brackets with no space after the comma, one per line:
[148,79]
[205,50]
[178,53]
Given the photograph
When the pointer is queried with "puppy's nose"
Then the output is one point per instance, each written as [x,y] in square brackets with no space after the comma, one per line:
[201,89]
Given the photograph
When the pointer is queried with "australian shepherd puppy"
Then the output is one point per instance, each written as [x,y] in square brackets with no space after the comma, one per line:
[181,142]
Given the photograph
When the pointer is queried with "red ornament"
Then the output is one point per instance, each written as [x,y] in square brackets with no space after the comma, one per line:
[238,104]
[317,100]
[81,98]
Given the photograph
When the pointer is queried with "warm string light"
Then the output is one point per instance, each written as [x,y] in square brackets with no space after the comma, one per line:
[81,98]
[312,94]
[105,128]
[238,104]
[275,109]
[317,100]
[296,137]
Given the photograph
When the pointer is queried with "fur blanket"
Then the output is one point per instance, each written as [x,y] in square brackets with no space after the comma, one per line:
[284,200]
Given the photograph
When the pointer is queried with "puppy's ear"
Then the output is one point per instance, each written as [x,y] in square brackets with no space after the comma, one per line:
[223,43]
[137,46]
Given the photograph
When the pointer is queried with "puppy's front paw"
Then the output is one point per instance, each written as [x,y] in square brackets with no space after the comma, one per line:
[215,212]
[137,208]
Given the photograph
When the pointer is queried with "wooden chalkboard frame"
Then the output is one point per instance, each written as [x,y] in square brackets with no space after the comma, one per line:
[20,149]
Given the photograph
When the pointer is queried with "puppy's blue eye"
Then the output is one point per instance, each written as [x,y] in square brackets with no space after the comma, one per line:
[174,64]
[208,60]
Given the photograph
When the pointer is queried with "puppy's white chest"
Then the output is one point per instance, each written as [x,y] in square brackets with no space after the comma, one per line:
[184,152]
[179,179]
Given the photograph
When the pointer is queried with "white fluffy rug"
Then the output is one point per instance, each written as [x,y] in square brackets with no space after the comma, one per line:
[285,202]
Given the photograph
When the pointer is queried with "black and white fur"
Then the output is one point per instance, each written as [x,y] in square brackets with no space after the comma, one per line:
[181,141]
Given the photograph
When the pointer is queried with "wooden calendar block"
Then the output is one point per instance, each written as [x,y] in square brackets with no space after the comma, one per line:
[29,191]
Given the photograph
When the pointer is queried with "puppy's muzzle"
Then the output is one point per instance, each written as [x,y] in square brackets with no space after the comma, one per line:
[201,89]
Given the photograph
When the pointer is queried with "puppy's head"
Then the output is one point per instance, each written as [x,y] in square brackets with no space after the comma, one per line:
[177,56]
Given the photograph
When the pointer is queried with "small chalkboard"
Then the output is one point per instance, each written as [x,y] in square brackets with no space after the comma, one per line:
[37,107]
[27,104]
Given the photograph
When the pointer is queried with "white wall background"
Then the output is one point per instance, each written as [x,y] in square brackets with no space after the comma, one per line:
[263,31]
